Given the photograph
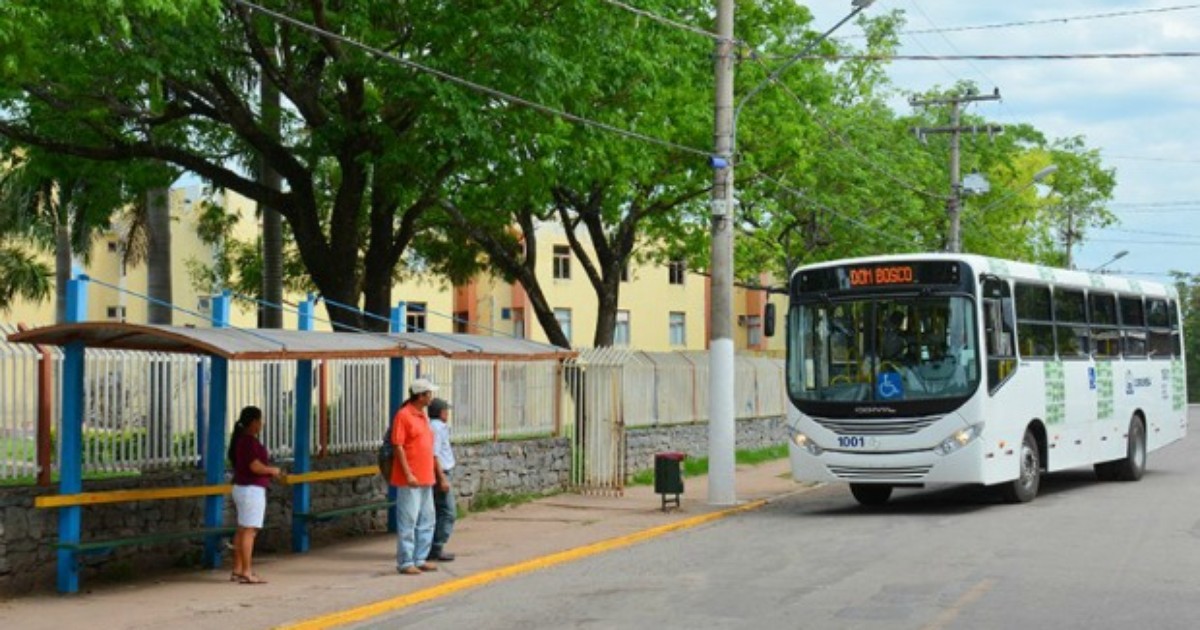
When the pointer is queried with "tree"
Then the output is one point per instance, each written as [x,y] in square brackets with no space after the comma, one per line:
[59,204]
[616,199]
[364,146]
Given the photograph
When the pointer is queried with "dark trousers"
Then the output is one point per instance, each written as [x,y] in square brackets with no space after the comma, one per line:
[445,508]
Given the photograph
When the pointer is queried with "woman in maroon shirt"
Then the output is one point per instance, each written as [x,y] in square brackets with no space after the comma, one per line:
[252,473]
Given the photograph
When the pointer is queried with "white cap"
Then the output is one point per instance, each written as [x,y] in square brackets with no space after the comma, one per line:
[422,385]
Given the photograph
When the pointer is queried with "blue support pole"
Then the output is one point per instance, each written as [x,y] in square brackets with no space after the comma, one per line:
[70,468]
[395,395]
[213,458]
[302,452]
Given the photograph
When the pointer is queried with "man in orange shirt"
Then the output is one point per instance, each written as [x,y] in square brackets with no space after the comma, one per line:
[413,476]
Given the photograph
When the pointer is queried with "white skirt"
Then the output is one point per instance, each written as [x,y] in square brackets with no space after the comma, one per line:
[251,504]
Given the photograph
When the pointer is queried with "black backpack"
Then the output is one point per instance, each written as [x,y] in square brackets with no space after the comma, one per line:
[386,456]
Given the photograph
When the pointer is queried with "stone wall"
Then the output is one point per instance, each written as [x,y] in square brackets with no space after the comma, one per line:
[27,534]
[642,443]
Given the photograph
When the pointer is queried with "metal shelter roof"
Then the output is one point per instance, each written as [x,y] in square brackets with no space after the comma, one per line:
[230,343]
[261,344]
[463,346]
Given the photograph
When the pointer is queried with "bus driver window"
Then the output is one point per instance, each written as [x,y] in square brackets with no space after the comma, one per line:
[998,330]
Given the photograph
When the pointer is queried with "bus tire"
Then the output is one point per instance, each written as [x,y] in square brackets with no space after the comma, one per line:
[1024,488]
[871,493]
[1133,466]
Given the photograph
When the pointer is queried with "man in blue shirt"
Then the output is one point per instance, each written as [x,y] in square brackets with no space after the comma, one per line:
[443,494]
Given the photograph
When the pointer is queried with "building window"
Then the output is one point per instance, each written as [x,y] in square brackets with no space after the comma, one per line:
[461,322]
[625,272]
[563,316]
[675,271]
[112,246]
[754,330]
[414,318]
[518,320]
[562,262]
[621,334]
[678,329]
[116,312]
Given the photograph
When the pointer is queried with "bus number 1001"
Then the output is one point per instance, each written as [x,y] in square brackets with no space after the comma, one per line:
[852,441]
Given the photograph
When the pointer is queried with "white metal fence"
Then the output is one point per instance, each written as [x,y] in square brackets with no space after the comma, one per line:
[610,389]
[147,410]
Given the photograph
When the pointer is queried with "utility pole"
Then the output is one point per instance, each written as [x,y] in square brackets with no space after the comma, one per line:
[1069,235]
[721,428]
[953,204]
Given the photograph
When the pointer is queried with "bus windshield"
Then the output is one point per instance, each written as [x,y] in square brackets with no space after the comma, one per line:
[882,349]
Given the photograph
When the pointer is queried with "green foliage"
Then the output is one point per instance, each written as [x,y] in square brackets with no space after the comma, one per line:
[485,500]
[1188,286]
[22,277]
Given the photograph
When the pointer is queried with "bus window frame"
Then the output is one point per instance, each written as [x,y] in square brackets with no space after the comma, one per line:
[1025,322]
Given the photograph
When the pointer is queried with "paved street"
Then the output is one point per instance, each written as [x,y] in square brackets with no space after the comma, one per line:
[1085,554]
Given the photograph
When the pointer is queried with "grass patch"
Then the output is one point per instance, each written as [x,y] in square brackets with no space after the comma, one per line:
[485,500]
[696,466]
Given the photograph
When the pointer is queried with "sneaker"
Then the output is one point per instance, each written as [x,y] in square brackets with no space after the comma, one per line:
[428,566]
[409,570]
[442,557]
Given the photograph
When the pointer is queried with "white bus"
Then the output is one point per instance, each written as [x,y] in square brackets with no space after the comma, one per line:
[940,368]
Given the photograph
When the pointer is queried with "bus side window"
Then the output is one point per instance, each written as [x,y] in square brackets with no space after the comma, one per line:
[1106,336]
[998,328]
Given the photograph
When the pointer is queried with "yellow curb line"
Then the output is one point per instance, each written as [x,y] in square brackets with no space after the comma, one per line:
[376,609]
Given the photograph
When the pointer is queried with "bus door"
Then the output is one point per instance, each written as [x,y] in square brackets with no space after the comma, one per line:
[998,322]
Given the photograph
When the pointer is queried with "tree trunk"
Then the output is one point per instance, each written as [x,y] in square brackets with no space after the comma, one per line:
[272,222]
[158,260]
[62,269]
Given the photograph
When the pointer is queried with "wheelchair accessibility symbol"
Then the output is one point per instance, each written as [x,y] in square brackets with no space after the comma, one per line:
[889,386]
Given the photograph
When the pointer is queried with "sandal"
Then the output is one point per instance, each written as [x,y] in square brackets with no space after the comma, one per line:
[235,577]
[250,579]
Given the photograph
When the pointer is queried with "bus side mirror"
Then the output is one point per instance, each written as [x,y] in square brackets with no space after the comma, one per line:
[769,320]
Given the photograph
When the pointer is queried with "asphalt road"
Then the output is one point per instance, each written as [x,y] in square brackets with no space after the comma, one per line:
[1084,554]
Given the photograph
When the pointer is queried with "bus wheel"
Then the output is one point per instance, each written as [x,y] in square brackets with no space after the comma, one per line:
[1025,487]
[871,493]
[1134,465]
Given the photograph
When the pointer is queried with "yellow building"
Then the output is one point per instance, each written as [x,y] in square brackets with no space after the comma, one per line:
[662,307]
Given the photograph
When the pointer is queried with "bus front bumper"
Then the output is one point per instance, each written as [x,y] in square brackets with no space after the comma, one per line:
[911,468]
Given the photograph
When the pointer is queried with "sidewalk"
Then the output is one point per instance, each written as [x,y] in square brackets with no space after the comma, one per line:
[357,572]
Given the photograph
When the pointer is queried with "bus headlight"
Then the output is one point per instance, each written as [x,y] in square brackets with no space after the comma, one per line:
[959,439]
[806,443]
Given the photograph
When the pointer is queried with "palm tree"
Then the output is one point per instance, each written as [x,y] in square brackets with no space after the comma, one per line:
[22,277]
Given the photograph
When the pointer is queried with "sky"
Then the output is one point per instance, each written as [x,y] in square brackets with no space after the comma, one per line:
[1143,115]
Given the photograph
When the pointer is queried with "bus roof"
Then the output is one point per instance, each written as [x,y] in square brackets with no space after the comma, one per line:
[1020,271]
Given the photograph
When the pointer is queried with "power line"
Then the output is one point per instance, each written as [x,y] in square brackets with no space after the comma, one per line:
[1049,57]
[1149,232]
[952,46]
[1151,159]
[1060,20]
[516,100]
[849,146]
[798,193]
[664,20]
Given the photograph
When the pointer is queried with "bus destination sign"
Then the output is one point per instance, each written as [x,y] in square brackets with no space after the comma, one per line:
[881,275]
[905,275]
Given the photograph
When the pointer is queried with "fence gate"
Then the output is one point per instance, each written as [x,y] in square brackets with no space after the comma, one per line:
[594,417]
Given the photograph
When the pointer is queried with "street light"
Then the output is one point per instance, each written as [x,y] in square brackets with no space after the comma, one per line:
[1118,256]
[721,431]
